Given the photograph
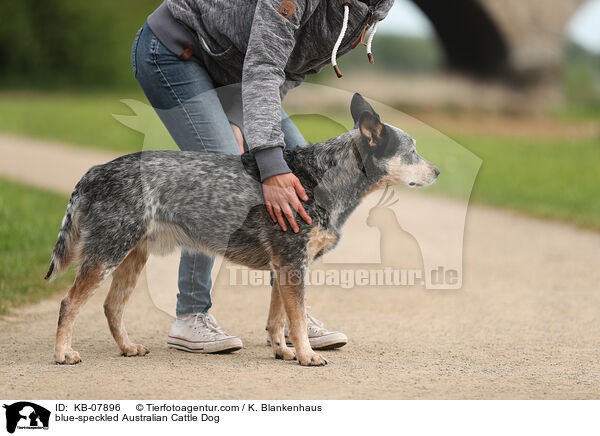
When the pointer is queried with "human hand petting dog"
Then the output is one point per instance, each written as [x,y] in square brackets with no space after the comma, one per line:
[282,191]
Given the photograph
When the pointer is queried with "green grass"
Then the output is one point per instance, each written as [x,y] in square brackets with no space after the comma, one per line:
[550,179]
[82,119]
[29,222]
[577,112]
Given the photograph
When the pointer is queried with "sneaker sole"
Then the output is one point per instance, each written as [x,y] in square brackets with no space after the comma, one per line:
[331,346]
[228,346]
[336,341]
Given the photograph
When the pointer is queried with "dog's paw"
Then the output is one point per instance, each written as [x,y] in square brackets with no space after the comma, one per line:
[313,359]
[134,350]
[68,357]
[285,353]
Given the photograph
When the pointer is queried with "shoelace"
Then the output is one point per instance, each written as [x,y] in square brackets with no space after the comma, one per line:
[336,47]
[208,321]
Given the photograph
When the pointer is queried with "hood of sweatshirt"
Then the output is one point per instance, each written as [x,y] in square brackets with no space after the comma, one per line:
[321,28]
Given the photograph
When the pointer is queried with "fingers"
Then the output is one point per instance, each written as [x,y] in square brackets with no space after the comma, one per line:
[297,205]
[270,210]
[282,201]
[287,210]
[300,209]
[279,216]
[303,214]
[300,190]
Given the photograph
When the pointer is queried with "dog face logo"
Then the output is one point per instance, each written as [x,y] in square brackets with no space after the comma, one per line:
[26,415]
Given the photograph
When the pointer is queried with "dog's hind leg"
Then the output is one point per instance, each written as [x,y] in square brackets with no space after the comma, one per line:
[276,324]
[123,283]
[87,281]
[291,288]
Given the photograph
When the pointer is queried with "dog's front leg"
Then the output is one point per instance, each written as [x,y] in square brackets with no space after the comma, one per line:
[276,325]
[291,288]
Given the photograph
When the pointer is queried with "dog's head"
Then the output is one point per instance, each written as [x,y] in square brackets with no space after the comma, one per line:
[390,149]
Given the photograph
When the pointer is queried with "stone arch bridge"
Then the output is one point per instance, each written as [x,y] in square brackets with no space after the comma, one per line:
[521,40]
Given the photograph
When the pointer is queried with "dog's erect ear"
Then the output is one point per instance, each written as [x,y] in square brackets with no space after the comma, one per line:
[359,106]
[370,128]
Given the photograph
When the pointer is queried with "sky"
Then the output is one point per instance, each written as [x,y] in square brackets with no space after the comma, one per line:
[407,19]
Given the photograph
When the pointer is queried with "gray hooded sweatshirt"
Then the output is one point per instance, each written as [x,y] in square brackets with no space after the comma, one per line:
[270,46]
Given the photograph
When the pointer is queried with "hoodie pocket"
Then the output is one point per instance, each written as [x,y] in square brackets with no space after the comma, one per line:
[217,54]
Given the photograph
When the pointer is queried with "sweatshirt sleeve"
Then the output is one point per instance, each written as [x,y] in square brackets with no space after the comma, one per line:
[272,40]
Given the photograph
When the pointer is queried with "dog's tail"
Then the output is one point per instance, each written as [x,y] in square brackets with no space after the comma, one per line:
[68,235]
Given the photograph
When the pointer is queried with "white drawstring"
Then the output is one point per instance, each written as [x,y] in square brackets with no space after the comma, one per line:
[370,42]
[339,41]
[336,47]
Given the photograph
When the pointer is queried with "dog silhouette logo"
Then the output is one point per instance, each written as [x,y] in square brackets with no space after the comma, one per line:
[26,415]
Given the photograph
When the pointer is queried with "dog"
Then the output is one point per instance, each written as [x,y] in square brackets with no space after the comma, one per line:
[154,201]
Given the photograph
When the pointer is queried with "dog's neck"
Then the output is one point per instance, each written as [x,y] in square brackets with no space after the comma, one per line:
[337,174]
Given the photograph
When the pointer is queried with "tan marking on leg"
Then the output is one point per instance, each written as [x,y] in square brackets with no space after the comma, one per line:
[123,283]
[291,288]
[276,325]
[319,240]
[83,288]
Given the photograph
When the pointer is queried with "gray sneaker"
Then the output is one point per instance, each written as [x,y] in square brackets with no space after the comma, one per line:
[200,333]
[319,337]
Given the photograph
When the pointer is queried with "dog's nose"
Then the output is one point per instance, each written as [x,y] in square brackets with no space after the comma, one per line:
[437,171]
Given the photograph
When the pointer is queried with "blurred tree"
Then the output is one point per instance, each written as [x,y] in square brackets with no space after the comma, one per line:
[65,43]
[581,76]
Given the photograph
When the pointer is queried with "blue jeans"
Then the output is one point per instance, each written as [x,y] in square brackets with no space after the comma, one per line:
[184,96]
